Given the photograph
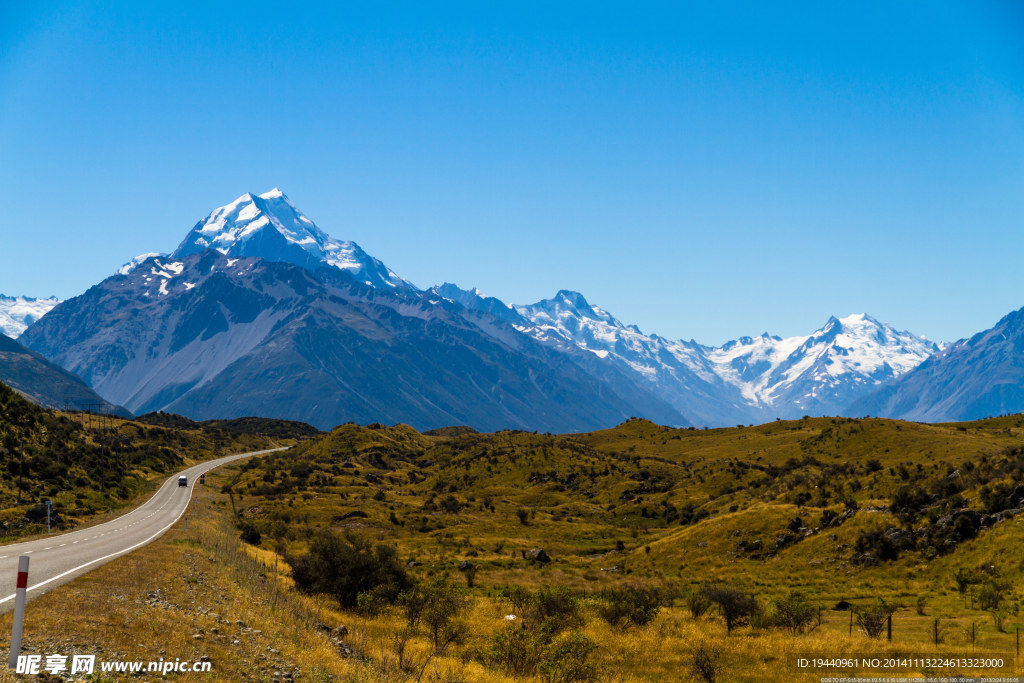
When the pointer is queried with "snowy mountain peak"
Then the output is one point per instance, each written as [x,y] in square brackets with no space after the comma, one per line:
[138,260]
[570,305]
[763,338]
[572,298]
[18,312]
[855,320]
[767,375]
[822,372]
[270,227]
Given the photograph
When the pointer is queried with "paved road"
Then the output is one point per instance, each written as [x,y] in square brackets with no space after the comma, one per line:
[57,559]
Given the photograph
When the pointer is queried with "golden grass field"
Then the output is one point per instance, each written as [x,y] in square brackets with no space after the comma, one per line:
[593,502]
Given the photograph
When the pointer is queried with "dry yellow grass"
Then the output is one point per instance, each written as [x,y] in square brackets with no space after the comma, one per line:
[203,581]
[207,569]
[153,603]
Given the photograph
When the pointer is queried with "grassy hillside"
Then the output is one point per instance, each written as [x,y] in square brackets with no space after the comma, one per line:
[88,464]
[845,512]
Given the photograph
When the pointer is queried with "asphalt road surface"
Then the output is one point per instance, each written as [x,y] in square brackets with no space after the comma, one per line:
[59,558]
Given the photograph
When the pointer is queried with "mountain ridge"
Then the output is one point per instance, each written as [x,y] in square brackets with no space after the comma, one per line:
[209,336]
[229,305]
[751,378]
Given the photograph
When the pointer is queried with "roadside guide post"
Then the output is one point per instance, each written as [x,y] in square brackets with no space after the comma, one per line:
[19,611]
[49,505]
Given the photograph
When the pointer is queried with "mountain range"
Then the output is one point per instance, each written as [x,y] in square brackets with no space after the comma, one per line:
[259,311]
[750,379]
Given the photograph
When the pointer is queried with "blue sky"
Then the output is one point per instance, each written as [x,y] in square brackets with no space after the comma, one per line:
[705,172]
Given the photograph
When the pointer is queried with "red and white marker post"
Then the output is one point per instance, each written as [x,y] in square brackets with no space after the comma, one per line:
[19,610]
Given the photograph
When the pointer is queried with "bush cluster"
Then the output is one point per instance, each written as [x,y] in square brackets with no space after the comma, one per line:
[348,566]
[634,605]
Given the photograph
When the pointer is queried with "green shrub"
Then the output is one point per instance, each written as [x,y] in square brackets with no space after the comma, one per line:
[346,566]
[705,662]
[922,602]
[567,660]
[436,605]
[371,603]
[521,650]
[873,620]
[963,578]
[250,534]
[698,603]
[793,612]
[877,544]
[519,597]
[515,650]
[552,608]
[991,595]
[736,607]
[555,608]
[635,605]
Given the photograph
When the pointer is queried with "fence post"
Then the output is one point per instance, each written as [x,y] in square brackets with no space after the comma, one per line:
[889,628]
[19,610]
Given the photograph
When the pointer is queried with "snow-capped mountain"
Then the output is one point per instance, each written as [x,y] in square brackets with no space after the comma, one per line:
[475,300]
[258,312]
[271,227]
[820,374]
[677,371]
[752,378]
[18,312]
